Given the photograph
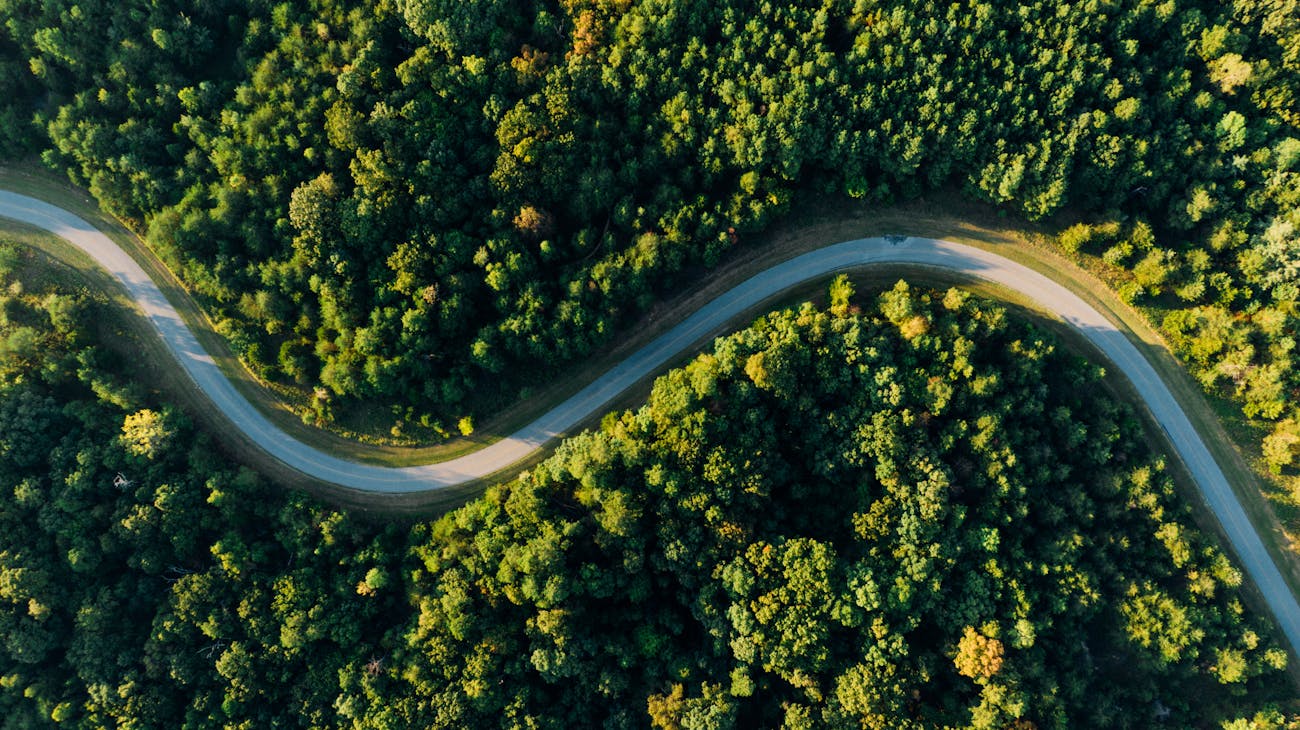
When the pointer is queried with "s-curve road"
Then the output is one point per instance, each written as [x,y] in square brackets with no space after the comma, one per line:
[690,332]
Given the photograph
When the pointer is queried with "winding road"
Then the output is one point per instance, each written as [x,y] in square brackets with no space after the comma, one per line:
[690,332]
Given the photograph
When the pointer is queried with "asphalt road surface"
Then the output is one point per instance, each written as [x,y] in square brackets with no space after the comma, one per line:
[690,332]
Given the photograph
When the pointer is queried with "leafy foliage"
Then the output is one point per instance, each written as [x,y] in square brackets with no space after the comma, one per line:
[915,516]
[429,203]
[144,581]
[922,516]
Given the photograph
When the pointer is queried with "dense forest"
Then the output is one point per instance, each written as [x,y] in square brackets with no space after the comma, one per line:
[918,515]
[425,203]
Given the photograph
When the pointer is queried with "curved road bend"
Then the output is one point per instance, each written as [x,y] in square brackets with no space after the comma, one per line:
[838,257]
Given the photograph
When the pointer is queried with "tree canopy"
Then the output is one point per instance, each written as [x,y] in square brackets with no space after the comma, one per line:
[907,512]
[432,205]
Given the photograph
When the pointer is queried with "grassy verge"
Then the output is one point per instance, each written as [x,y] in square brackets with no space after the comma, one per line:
[1224,430]
[944,218]
[941,217]
[281,404]
[1114,384]
[1231,440]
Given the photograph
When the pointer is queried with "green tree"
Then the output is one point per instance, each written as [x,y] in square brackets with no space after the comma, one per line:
[146,433]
